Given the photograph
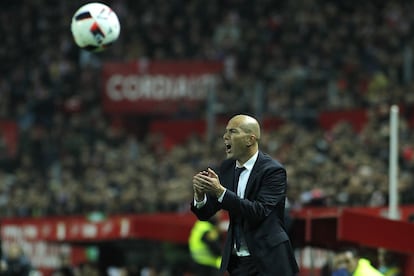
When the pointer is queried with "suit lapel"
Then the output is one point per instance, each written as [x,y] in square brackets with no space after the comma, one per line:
[252,176]
[250,185]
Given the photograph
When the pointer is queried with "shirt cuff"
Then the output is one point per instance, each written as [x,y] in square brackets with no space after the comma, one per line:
[199,204]
[220,198]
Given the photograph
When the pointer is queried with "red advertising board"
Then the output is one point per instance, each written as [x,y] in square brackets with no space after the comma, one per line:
[157,86]
[45,239]
[67,229]
[38,240]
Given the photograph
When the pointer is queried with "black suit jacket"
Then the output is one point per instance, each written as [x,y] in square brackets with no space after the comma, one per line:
[261,213]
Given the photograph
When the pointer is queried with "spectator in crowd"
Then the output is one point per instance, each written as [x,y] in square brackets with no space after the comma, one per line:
[205,243]
[15,262]
[348,262]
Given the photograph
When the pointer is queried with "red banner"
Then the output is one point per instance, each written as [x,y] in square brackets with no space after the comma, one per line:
[37,238]
[67,229]
[44,239]
[157,87]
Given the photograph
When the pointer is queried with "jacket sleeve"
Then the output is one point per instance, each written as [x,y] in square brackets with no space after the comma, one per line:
[208,210]
[269,193]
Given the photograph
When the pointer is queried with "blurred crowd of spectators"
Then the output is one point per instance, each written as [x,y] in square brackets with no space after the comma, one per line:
[300,57]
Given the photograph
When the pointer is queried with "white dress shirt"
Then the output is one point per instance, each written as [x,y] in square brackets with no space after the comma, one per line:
[244,176]
[241,190]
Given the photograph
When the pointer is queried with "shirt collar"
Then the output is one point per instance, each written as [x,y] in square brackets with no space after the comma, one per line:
[249,163]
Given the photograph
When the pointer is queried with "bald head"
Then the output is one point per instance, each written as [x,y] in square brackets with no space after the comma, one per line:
[248,124]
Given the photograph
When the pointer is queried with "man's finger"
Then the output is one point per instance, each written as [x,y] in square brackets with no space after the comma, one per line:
[212,173]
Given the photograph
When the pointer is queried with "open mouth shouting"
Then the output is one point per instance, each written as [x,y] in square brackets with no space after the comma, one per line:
[228,148]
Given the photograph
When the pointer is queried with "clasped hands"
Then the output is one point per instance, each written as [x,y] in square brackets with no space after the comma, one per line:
[207,182]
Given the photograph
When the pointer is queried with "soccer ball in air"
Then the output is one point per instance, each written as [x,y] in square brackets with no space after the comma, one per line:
[95,26]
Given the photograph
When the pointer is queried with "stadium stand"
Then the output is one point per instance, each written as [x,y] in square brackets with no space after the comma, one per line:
[328,70]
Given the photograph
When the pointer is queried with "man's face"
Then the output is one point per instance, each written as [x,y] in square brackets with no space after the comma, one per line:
[235,140]
[14,252]
[347,260]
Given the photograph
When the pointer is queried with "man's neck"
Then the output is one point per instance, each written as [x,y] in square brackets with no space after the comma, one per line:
[240,163]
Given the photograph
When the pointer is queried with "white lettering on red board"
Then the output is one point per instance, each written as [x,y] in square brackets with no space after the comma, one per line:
[158,87]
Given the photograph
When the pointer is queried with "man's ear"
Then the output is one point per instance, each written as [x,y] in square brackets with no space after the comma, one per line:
[250,141]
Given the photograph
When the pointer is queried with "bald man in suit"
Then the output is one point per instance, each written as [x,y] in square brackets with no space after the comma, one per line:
[257,242]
